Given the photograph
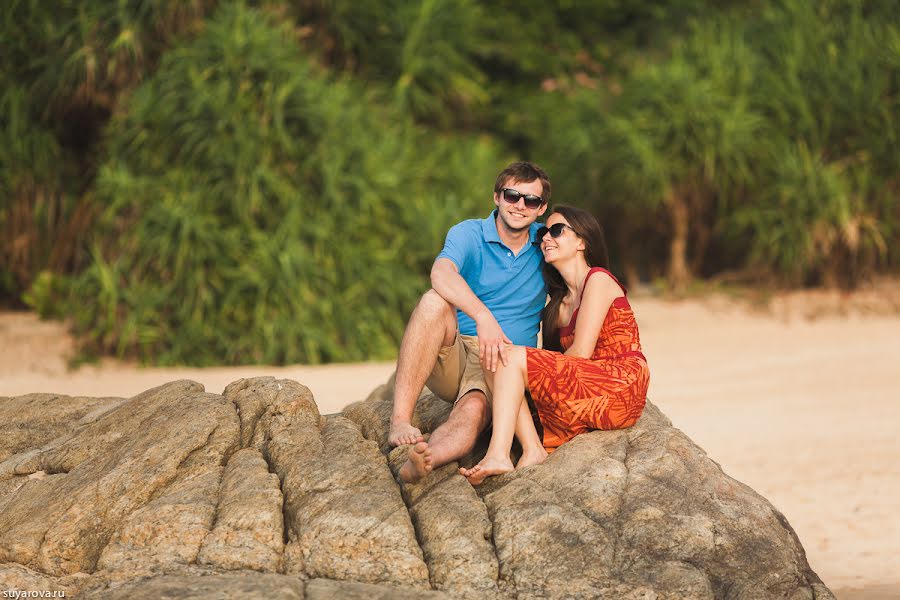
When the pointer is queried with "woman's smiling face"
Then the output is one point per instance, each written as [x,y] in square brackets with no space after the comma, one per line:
[566,245]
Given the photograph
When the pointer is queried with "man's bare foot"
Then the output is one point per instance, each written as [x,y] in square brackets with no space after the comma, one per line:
[418,463]
[486,468]
[532,457]
[404,433]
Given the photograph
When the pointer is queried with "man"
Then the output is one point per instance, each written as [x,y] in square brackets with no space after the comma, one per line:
[487,291]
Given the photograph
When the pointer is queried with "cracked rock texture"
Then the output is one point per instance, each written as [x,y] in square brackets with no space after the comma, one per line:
[178,493]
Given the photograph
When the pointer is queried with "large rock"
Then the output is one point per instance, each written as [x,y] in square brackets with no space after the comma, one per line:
[29,421]
[456,543]
[345,517]
[249,529]
[177,493]
[255,586]
[352,523]
[123,462]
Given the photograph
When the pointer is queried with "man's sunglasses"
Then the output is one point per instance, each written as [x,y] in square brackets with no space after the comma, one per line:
[531,201]
[555,231]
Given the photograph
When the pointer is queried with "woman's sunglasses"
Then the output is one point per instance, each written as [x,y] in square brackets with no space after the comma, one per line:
[555,231]
[531,201]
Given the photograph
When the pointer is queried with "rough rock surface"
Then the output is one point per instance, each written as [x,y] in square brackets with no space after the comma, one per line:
[249,527]
[178,493]
[31,420]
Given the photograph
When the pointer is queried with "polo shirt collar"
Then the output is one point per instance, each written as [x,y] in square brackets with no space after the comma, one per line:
[490,233]
[489,228]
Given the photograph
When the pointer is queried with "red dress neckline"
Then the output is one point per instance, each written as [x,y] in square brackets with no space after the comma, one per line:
[571,323]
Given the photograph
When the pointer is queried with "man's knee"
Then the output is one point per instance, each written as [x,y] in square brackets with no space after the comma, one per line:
[432,308]
[433,303]
[474,408]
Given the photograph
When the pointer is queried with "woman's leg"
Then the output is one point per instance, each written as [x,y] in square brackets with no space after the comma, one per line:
[532,447]
[509,393]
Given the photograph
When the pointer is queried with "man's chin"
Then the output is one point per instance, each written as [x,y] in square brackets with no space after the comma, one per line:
[518,225]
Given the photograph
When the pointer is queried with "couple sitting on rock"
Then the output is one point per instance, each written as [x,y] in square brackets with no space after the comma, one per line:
[472,337]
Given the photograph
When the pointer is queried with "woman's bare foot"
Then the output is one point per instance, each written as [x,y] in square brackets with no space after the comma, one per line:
[532,457]
[418,463]
[404,433]
[486,468]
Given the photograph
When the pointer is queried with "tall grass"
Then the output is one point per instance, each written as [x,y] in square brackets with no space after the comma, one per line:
[764,141]
[271,184]
[260,210]
[63,68]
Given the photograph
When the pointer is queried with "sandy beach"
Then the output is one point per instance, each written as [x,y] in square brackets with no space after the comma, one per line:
[800,400]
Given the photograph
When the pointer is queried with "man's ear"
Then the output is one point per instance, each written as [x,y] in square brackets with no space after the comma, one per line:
[543,209]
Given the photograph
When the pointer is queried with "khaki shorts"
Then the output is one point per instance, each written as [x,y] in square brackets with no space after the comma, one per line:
[458,370]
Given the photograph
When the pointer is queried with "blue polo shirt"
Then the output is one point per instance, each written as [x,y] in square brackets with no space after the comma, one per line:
[511,286]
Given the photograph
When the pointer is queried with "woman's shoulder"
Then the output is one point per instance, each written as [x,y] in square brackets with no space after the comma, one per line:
[607,280]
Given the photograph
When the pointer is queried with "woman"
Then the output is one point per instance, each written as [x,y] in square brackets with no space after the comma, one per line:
[590,374]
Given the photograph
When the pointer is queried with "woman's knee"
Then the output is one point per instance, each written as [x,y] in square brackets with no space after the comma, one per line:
[517,358]
[518,354]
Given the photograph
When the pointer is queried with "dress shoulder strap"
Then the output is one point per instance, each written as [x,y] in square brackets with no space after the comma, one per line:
[600,270]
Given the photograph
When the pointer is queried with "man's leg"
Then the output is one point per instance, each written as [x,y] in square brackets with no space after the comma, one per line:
[431,325]
[452,440]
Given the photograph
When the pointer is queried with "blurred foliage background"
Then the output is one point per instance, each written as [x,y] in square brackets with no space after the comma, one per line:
[226,182]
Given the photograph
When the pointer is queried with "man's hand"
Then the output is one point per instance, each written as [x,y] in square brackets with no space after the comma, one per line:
[491,341]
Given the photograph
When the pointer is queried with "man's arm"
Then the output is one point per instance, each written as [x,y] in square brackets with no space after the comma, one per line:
[450,285]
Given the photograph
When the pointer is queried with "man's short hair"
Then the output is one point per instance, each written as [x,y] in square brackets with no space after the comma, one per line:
[524,172]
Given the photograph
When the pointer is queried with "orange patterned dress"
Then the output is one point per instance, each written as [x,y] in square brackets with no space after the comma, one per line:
[606,391]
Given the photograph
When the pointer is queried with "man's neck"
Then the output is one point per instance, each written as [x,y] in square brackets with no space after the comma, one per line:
[514,240]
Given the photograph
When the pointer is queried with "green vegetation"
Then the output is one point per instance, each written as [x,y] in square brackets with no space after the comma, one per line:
[237,182]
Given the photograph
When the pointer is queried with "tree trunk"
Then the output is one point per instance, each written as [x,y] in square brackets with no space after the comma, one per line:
[702,227]
[624,241]
[679,274]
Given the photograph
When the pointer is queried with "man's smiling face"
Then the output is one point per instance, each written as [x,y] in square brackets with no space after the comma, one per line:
[517,216]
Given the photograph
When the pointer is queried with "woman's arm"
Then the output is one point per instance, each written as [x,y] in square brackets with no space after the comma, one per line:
[599,293]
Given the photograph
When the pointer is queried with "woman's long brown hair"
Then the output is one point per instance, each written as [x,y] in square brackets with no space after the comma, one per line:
[588,228]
